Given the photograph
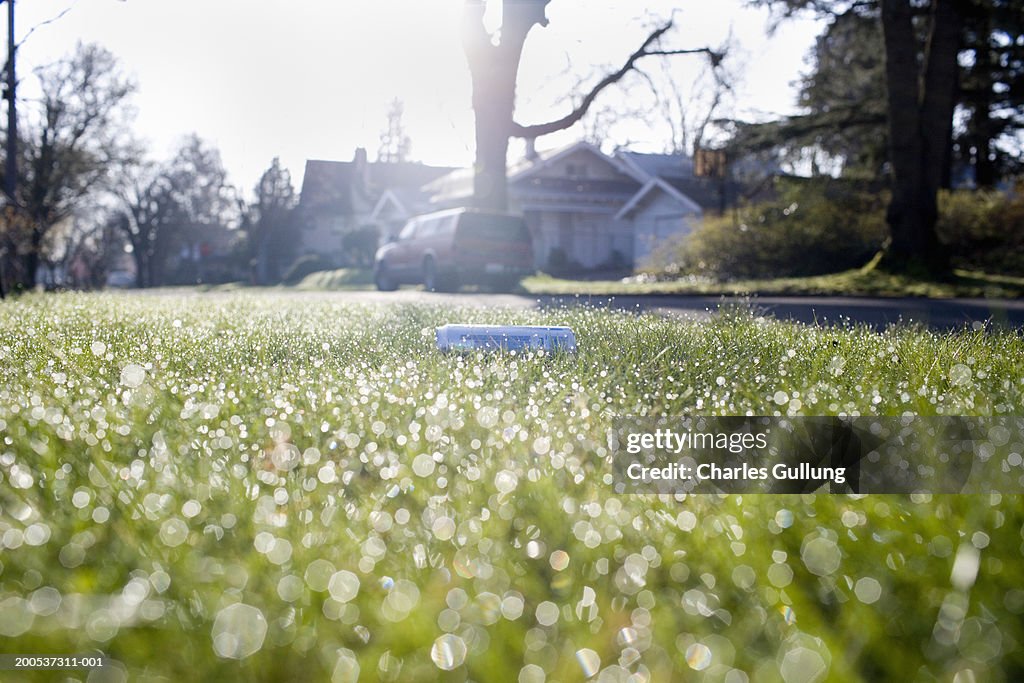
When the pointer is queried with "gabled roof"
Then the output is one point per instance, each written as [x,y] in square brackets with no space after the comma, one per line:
[389,198]
[327,184]
[403,174]
[657,165]
[406,201]
[641,175]
[455,185]
[527,175]
[655,185]
[332,184]
[529,168]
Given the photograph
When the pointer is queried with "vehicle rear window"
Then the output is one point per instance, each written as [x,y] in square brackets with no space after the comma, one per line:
[447,225]
[495,227]
[409,230]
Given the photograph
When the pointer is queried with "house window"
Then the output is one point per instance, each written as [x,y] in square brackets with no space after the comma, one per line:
[576,170]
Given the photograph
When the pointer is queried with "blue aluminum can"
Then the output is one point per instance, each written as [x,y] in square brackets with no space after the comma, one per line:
[505,338]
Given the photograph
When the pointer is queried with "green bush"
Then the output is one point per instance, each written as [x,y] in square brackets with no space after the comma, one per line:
[821,226]
[983,229]
[360,245]
[811,228]
[303,266]
[559,263]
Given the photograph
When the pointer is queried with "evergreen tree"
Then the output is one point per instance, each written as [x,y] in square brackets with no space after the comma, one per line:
[268,224]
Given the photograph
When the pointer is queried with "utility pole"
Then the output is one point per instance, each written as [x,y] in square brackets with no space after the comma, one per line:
[11,169]
[11,172]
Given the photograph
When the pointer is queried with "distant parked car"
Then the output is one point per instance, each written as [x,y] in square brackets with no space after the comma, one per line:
[447,249]
[120,279]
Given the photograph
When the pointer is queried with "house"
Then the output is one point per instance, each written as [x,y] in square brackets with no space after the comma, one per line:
[588,210]
[339,197]
[672,201]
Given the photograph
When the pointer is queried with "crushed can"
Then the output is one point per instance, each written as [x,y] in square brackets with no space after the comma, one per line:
[505,338]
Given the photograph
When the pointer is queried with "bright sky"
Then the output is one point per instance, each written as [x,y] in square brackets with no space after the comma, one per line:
[313,78]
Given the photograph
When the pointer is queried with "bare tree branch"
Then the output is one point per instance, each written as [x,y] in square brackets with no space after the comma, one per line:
[533,131]
[44,23]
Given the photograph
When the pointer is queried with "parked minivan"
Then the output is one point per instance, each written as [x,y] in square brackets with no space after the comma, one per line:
[447,249]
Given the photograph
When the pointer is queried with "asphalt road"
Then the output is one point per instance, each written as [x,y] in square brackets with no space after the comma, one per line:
[936,313]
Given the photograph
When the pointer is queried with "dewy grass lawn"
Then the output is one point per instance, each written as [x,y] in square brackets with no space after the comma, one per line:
[284,487]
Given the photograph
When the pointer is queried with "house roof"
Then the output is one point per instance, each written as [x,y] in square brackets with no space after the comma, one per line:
[653,186]
[407,201]
[657,165]
[327,184]
[403,174]
[678,179]
[525,176]
[331,184]
[455,185]
[529,168]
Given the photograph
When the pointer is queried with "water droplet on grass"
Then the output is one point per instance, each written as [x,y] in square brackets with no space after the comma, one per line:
[698,656]
[448,652]
[868,590]
[512,607]
[15,617]
[686,520]
[133,375]
[531,673]
[821,556]
[173,532]
[559,560]
[443,528]
[285,456]
[547,613]
[780,575]
[238,631]
[784,518]
[45,601]
[965,567]
[289,588]
[803,665]
[960,375]
[343,586]
[423,465]
[506,481]
[346,669]
[589,661]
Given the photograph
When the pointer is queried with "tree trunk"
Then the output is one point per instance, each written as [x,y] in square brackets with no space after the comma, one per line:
[921,101]
[140,280]
[32,258]
[493,69]
[492,106]
[981,124]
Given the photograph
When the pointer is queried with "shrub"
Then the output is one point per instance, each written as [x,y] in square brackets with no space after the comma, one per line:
[616,261]
[811,228]
[360,245]
[303,266]
[823,226]
[983,229]
[557,260]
